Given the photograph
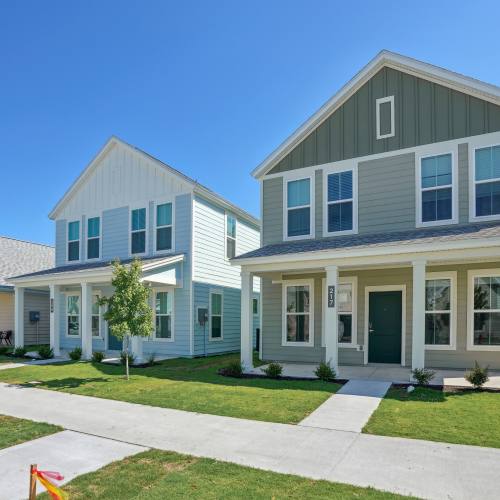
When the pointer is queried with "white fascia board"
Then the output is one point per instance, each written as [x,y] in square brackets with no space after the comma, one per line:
[427,71]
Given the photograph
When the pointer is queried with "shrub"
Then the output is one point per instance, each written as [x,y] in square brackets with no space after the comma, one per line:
[273,370]
[76,354]
[423,375]
[325,372]
[151,359]
[233,369]
[123,358]
[478,376]
[4,350]
[97,356]
[19,352]
[46,352]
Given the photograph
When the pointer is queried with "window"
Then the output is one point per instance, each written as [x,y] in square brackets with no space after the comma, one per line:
[164,227]
[298,213]
[298,309]
[340,202]
[436,189]
[487,182]
[255,306]
[485,318]
[96,316]
[215,316]
[384,110]
[439,311]
[74,240]
[230,237]
[163,315]
[138,231]
[73,315]
[93,237]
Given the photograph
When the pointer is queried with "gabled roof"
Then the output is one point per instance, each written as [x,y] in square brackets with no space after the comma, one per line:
[21,257]
[196,186]
[386,58]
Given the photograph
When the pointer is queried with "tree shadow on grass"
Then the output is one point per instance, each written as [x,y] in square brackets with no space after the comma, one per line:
[65,383]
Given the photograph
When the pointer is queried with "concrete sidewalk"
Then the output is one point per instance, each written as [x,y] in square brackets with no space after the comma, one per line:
[406,466]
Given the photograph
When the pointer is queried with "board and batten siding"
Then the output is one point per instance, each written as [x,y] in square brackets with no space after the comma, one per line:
[425,113]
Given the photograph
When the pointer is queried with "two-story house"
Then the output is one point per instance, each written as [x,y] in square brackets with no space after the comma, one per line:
[381,225]
[125,205]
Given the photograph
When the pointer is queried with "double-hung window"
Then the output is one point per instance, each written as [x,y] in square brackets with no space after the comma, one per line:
[138,231]
[163,315]
[436,189]
[340,202]
[93,237]
[487,182]
[298,314]
[96,316]
[439,311]
[73,315]
[298,208]
[215,316]
[164,227]
[74,240]
[230,236]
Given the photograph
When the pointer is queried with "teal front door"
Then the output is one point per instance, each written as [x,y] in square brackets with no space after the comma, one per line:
[114,344]
[384,327]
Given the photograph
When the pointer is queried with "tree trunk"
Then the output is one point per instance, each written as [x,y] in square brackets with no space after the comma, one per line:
[126,366]
[127,343]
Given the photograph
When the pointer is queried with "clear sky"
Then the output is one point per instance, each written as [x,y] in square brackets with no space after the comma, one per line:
[210,87]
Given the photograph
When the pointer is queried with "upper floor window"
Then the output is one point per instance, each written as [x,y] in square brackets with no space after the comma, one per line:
[163,315]
[340,202]
[164,227]
[384,110]
[487,182]
[215,316]
[138,231]
[74,240]
[298,208]
[230,236]
[436,189]
[93,237]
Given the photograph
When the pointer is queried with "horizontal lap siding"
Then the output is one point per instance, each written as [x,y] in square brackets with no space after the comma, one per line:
[272,211]
[61,238]
[115,233]
[7,311]
[36,301]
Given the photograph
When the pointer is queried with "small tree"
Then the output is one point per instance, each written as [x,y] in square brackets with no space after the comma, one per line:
[128,313]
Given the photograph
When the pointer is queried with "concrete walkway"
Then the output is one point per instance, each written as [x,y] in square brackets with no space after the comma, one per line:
[32,362]
[350,408]
[67,452]
[406,466]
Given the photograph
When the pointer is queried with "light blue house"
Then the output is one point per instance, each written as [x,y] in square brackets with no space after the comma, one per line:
[125,205]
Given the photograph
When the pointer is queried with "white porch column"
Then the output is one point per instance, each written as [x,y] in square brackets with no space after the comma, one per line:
[418,311]
[331,321]
[19,316]
[136,348]
[246,320]
[86,320]
[55,306]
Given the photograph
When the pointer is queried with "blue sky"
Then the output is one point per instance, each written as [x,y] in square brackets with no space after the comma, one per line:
[208,87]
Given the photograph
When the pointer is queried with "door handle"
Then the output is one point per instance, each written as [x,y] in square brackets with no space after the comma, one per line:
[370,329]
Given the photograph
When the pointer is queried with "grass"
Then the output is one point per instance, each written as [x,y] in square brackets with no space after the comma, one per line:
[467,417]
[17,430]
[158,474]
[184,384]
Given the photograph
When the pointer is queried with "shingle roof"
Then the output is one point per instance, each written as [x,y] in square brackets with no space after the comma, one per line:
[419,236]
[92,265]
[21,257]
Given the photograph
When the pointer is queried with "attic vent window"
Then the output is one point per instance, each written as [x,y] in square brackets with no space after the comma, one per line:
[385,117]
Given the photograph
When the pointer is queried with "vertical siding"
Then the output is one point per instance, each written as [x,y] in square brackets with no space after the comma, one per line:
[61,242]
[272,211]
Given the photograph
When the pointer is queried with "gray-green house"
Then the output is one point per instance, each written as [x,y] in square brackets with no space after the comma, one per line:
[381,225]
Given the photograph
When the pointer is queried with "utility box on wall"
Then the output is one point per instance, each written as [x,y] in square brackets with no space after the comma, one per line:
[34,316]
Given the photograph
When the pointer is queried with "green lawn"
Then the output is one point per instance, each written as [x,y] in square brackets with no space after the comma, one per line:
[467,417]
[16,430]
[185,384]
[159,474]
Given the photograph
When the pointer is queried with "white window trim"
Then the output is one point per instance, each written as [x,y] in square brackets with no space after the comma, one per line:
[343,280]
[100,336]
[80,233]
[87,217]
[285,284]
[155,228]
[471,275]
[452,276]
[73,294]
[472,182]
[378,103]
[221,338]
[290,177]
[226,236]
[335,169]
[146,229]
[170,290]
[453,185]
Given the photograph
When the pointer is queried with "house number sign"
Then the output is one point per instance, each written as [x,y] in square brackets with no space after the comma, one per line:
[331,296]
